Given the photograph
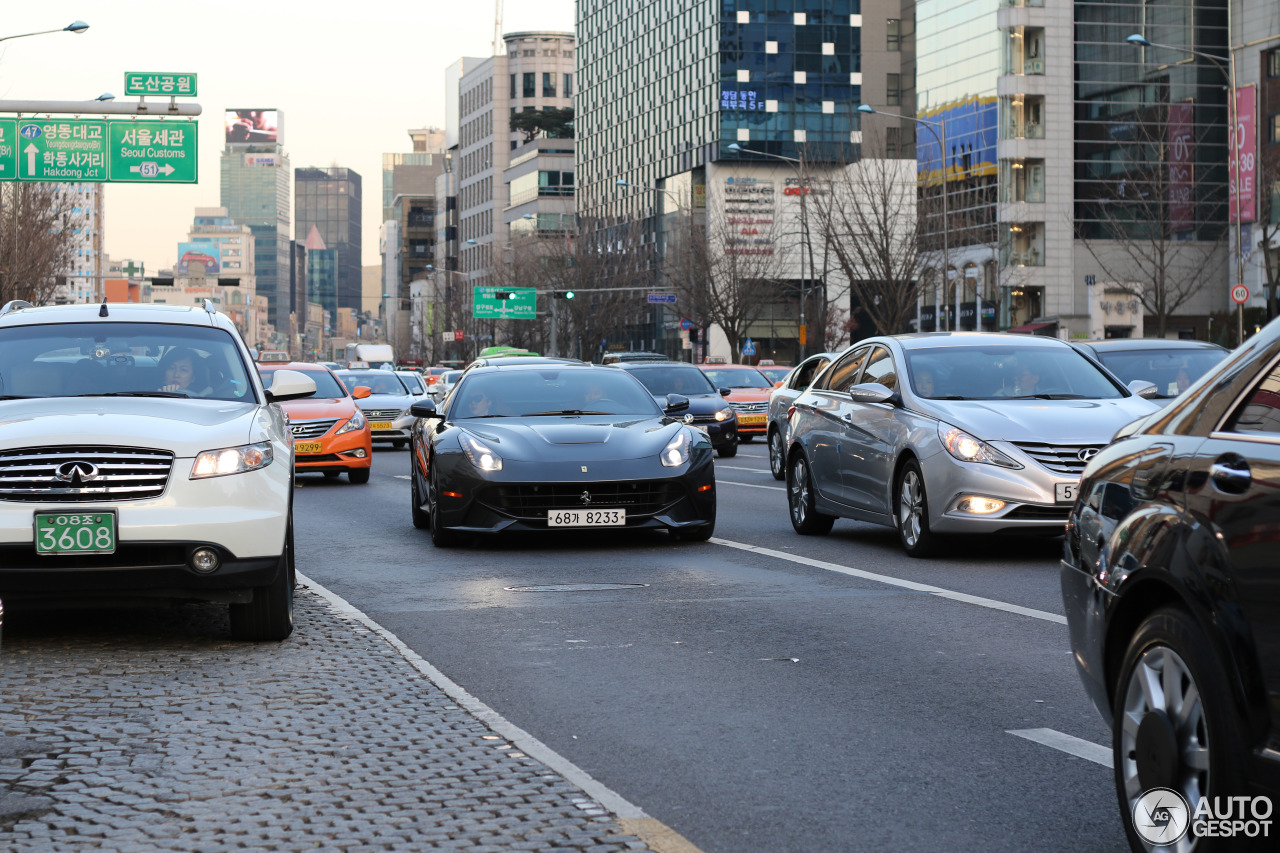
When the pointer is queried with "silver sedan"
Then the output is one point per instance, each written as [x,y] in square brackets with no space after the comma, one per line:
[951,433]
[387,408]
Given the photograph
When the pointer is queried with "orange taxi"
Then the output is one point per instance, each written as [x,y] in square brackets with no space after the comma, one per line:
[748,395]
[330,433]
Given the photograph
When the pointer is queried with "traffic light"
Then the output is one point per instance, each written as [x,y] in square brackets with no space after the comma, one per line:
[564,294]
[503,294]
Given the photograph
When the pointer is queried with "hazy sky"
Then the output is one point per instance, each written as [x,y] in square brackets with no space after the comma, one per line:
[351,79]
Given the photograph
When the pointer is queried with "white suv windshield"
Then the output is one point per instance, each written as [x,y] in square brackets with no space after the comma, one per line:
[121,359]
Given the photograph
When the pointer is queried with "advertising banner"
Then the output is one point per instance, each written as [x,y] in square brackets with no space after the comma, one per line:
[1181,167]
[1242,163]
[193,254]
[254,127]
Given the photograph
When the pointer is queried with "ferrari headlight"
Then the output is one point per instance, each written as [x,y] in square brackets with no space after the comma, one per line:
[724,414]
[357,422]
[966,448]
[481,455]
[677,450]
[232,460]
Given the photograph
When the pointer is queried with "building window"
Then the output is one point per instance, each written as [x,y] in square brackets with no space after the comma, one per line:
[1273,128]
[893,90]
[1273,63]
[548,84]
[513,85]
[568,85]
[530,83]
[892,142]
[894,30]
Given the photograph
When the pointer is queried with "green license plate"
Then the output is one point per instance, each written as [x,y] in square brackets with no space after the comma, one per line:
[75,532]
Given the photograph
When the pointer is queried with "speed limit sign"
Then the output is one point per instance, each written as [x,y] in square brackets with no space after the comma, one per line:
[1240,294]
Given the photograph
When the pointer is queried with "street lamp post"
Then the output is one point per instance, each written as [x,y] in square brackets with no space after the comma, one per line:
[940,134]
[73,27]
[799,166]
[1233,146]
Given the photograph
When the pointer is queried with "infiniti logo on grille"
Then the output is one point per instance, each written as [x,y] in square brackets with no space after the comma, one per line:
[585,497]
[1087,454]
[75,472]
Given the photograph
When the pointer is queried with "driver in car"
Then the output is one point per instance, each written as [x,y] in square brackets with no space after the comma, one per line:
[184,373]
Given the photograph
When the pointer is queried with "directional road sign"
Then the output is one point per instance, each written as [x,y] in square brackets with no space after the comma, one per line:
[160,152]
[1240,294]
[522,303]
[662,298]
[159,83]
[686,323]
[95,150]
[749,348]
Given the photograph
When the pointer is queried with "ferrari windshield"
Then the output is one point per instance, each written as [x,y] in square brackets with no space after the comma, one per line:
[121,359]
[529,393]
[1006,372]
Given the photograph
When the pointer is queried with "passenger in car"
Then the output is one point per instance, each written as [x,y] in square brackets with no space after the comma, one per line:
[183,371]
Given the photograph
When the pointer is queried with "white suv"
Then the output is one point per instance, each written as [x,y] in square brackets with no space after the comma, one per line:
[141,458]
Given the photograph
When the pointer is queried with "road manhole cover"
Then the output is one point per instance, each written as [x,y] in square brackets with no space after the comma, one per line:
[574,587]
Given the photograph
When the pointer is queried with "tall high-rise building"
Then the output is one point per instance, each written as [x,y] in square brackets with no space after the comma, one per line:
[329,200]
[323,272]
[85,206]
[255,191]
[407,236]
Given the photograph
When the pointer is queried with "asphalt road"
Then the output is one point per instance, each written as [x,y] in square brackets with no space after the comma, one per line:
[856,699]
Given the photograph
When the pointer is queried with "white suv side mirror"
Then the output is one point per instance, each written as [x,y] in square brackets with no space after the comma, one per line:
[290,385]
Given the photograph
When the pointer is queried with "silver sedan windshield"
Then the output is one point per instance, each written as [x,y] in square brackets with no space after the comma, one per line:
[1006,372]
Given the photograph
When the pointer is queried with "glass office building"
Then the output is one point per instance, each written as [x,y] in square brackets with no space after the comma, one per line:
[255,192]
[330,199]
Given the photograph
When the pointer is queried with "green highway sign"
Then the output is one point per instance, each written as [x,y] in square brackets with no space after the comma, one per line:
[8,149]
[95,150]
[71,150]
[159,83]
[162,152]
[517,303]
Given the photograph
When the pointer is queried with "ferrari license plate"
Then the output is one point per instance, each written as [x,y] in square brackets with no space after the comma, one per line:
[587,518]
[1065,493]
[75,533]
[751,420]
[380,425]
[307,446]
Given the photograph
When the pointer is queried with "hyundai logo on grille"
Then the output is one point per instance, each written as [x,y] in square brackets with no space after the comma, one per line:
[585,497]
[298,429]
[1087,454]
[76,471]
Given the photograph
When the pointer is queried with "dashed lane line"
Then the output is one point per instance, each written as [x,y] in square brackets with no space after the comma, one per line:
[740,468]
[1078,747]
[749,485]
[656,835]
[892,581]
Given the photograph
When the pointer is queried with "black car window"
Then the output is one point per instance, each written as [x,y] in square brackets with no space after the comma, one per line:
[1260,412]
[845,371]
[526,393]
[674,380]
[880,369]
[1171,370]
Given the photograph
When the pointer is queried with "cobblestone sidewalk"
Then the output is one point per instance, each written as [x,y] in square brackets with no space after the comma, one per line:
[171,737]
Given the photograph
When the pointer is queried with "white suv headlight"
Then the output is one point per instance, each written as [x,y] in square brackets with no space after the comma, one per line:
[357,422]
[966,448]
[232,460]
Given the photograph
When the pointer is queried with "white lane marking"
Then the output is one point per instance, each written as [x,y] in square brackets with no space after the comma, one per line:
[1078,747]
[526,742]
[892,581]
[749,485]
[402,476]
[740,468]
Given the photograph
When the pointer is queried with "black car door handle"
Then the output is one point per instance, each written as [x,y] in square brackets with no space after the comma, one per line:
[1231,476]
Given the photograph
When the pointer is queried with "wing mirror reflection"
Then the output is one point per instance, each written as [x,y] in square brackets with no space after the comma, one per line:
[361,391]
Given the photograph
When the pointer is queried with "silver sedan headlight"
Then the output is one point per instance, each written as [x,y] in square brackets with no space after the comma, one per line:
[966,448]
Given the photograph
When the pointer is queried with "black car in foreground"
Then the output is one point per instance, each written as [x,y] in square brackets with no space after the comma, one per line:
[1169,364]
[560,447]
[707,411]
[1171,584]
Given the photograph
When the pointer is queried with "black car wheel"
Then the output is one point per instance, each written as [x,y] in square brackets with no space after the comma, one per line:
[440,537]
[421,518]
[911,512]
[269,616]
[745,439]
[359,476]
[777,455]
[1173,725]
[398,443]
[728,451]
[804,518]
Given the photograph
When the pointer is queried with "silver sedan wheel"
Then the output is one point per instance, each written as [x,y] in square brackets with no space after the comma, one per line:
[777,461]
[1161,686]
[911,508]
[799,487]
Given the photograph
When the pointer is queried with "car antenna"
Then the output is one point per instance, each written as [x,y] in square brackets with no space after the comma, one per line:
[102,312]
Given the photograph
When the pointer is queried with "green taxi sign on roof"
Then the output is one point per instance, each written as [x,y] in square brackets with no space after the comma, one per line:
[179,85]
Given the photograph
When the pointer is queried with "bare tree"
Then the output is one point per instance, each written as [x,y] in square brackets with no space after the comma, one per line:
[868,217]
[1142,216]
[37,242]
